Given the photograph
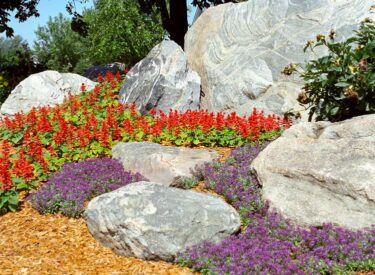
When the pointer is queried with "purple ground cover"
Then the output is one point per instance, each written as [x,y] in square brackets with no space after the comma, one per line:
[68,189]
[270,244]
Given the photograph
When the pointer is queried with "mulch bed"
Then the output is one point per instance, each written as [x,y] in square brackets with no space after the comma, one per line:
[31,243]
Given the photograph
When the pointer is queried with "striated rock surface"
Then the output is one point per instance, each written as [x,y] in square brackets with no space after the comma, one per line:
[164,164]
[151,221]
[162,80]
[42,89]
[239,50]
[322,172]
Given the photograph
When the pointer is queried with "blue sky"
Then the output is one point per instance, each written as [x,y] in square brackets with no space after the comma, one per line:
[46,9]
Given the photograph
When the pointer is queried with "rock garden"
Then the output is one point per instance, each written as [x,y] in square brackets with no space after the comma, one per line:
[178,166]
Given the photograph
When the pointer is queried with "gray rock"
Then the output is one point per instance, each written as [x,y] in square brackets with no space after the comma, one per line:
[165,164]
[42,89]
[93,72]
[162,80]
[322,172]
[239,50]
[151,221]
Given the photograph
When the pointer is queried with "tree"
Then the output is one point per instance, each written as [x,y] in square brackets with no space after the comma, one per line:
[60,48]
[16,63]
[23,8]
[173,14]
[120,31]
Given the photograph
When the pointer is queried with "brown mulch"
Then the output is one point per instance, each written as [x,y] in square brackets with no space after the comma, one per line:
[31,243]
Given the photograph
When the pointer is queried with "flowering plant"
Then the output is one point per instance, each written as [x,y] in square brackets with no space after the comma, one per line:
[88,125]
[269,243]
[341,84]
[69,189]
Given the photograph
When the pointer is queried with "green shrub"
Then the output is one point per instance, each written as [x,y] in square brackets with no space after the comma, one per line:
[120,31]
[16,63]
[60,48]
[340,85]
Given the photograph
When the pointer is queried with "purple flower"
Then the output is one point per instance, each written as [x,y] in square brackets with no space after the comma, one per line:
[69,189]
[270,244]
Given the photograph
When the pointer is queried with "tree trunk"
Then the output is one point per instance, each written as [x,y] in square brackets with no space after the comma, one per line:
[178,21]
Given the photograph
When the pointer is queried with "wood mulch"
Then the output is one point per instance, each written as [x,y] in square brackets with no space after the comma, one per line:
[31,243]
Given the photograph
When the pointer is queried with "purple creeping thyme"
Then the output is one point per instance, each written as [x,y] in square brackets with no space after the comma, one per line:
[69,189]
[270,244]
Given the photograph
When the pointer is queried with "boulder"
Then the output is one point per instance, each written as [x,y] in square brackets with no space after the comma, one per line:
[165,164]
[93,72]
[322,172]
[162,80]
[239,50]
[42,89]
[151,221]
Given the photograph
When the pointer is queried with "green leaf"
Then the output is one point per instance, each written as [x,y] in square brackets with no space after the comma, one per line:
[17,137]
[342,84]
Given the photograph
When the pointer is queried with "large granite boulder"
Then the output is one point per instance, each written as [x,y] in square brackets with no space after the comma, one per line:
[322,173]
[42,89]
[162,80]
[165,164]
[93,72]
[151,221]
[239,50]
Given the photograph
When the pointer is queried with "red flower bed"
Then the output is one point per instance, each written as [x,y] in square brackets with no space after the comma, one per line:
[38,143]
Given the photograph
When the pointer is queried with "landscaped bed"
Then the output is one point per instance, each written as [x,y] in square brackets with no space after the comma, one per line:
[36,147]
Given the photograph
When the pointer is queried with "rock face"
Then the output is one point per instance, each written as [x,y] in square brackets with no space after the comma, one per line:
[93,72]
[42,89]
[165,164]
[151,221]
[322,172]
[162,80]
[239,50]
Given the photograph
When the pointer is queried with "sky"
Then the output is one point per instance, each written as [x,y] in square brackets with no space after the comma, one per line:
[46,9]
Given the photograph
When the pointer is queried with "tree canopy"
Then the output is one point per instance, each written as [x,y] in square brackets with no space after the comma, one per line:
[173,14]
[23,9]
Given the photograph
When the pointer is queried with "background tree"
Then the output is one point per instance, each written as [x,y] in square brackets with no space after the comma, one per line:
[16,63]
[23,8]
[120,31]
[60,48]
[173,14]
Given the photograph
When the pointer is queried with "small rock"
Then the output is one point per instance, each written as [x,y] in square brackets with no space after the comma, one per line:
[155,222]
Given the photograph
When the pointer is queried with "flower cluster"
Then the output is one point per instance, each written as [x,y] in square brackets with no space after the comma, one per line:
[68,189]
[270,244]
[88,125]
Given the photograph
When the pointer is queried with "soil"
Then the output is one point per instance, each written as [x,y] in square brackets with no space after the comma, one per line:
[31,243]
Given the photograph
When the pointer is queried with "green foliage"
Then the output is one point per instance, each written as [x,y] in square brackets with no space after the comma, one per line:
[120,31]
[22,9]
[340,85]
[16,63]
[188,183]
[354,267]
[8,200]
[60,48]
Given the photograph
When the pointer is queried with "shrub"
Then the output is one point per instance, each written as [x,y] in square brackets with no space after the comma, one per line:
[340,85]
[60,48]
[16,63]
[271,244]
[67,190]
[120,31]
